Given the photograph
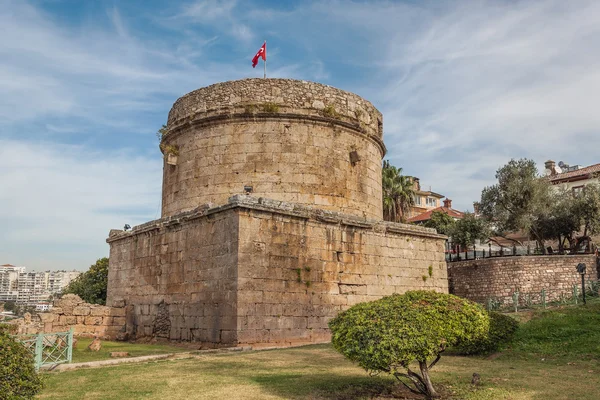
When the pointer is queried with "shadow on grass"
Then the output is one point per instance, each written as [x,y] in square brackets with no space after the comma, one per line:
[332,387]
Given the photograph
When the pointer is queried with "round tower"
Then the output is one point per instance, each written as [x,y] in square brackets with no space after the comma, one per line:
[289,140]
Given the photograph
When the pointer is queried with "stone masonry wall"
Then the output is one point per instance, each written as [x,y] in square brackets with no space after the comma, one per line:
[87,320]
[178,277]
[287,93]
[299,152]
[257,271]
[498,278]
[295,273]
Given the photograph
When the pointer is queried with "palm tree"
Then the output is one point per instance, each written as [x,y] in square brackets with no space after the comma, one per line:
[398,193]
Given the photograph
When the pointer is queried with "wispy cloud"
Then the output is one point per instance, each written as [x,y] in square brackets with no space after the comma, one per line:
[467,86]
[221,15]
[63,199]
[464,86]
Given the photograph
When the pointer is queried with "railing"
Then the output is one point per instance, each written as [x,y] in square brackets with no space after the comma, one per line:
[48,349]
[457,254]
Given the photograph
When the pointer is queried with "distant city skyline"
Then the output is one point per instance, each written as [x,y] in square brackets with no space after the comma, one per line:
[32,287]
[463,86]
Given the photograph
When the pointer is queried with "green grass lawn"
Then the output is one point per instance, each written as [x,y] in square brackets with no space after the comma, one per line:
[82,354]
[555,356]
[562,332]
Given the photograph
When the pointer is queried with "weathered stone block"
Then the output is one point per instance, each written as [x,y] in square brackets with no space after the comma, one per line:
[117,312]
[98,311]
[68,319]
[81,310]
[47,317]
[93,320]
[118,321]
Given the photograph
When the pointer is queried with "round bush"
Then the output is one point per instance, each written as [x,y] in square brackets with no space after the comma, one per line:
[18,379]
[502,331]
[388,334]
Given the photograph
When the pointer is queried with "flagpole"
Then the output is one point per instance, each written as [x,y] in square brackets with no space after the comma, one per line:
[265,61]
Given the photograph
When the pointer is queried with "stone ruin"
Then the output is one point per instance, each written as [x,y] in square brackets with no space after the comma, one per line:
[271,220]
[69,311]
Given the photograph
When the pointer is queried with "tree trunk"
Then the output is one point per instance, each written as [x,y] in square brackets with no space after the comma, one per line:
[561,245]
[432,394]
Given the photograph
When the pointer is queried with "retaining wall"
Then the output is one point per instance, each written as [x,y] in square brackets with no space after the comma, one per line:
[87,320]
[498,278]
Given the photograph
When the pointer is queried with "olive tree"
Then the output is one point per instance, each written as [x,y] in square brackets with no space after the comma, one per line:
[519,199]
[469,229]
[91,285]
[441,222]
[389,334]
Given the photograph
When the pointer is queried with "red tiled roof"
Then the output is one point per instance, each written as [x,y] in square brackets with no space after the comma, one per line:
[427,215]
[583,172]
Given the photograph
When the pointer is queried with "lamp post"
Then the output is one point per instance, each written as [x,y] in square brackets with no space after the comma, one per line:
[581,270]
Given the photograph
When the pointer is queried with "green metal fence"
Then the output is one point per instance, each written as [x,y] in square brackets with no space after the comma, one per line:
[49,349]
[545,298]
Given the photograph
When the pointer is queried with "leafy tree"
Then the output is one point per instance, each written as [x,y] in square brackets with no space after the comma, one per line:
[560,221]
[518,200]
[91,285]
[389,334]
[468,229]
[587,207]
[398,193]
[441,222]
[18,379]
[10,306]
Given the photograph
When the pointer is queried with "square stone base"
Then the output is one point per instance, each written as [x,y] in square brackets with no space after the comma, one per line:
[258,271]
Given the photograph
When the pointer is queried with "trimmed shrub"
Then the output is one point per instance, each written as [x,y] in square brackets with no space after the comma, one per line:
[502,331]
[18,379]
[9,328]
[389,334]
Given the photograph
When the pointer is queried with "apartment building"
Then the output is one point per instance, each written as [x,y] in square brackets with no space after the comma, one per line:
[32,288]
[9,278]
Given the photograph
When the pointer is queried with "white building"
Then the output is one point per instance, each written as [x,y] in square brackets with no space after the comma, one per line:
[9,277]
[43,307]
[573,178]
[32,288]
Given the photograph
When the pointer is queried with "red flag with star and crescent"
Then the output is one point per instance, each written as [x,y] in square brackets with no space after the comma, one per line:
[262,53]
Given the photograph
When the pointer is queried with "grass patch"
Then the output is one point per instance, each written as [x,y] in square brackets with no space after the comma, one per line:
[82,354]
[270,107]
[570,331]
[554,357]
[318,372]
[330,112]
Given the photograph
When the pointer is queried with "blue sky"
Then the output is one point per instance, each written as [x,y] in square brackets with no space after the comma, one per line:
[463,85]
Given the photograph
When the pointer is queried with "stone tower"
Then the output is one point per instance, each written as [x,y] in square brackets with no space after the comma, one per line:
[288,140]
[271,220]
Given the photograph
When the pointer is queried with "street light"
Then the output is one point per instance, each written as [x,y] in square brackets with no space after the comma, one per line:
[581,270]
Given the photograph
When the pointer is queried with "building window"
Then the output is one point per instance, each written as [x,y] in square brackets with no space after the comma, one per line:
[417,200]
[577,190]
[431,202]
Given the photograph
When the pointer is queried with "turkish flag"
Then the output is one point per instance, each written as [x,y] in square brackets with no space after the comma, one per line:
[262,53]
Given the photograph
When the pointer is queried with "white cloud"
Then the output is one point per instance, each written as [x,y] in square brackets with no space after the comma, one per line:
[218,14]
[64,199]
[464,87]
[92,73]
[467,87]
